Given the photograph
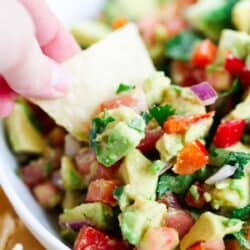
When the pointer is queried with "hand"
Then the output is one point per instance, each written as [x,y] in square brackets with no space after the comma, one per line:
[32,44]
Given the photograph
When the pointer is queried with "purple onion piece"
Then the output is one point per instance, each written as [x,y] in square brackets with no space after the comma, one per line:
[77,225]
[205,92]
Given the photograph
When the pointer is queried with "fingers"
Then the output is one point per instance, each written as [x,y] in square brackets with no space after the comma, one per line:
[6,98]
[53,38]
[27,70]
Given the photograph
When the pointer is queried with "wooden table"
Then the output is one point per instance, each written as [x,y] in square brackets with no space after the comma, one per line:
[12,230]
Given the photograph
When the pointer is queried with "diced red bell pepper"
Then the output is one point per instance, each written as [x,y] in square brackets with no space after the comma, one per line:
[204,53]
[191,158]
[179,124]
[90,238]
[147,144]
[163,238]
[209,245]
[234,65]
[200,201]
[102,190]
[180,220]
[228,133]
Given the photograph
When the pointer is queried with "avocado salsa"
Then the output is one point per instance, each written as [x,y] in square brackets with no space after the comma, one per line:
[165,167]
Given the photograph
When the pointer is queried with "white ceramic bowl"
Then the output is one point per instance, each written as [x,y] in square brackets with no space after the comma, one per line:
[34,217]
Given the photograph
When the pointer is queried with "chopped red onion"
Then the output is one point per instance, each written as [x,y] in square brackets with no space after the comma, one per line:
[77,225]
[222,174]
[71,146]
[205,92]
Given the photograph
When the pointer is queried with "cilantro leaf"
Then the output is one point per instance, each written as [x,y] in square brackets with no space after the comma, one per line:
[177,184]
[235,88]
[181,46]
[241,213]
[242,240]
[98,126]
[146,116]
[123,88]
[118,192]
[161,113]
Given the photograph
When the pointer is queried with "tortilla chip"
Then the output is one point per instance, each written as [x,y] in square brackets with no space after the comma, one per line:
[96,73]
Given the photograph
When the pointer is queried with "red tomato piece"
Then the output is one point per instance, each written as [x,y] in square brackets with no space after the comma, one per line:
[180,220]
[90,238]
[102,190]
[179,124]
[234,65]
[228,133]
[200,201]
[163,238]
[209,245]
[204,53]
[147,144]
[191,158]
[170,200]
[245,77]
[135,100]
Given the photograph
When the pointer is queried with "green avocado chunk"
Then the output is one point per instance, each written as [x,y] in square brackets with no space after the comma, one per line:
[136,219]
[97,214]
[208,227]
[23,135]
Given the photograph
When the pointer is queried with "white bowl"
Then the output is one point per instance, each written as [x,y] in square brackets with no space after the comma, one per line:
[33,216]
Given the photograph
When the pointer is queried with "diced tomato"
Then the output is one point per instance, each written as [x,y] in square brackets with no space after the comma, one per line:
[103,172]
[191,158]
[180,220]
[135,100]
[102,190]
[179,124]
[245,77]
[228,133]
[204,53]
[200,201]
[119,23]
[147,144]
[92,239]
[209,245]
[234,65]
[163,238]
[170,200]
[34,173]
[47,194]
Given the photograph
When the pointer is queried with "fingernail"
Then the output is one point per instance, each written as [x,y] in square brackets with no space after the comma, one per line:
[60,81]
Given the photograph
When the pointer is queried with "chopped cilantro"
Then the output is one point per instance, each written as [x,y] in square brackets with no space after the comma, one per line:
[181,46]
[117,193]
[177,184]
[157,166]
[194,192]
[123,88]
[161,113]
[235,88]
[146,116]
[241,213]
[242,240]
[98,126]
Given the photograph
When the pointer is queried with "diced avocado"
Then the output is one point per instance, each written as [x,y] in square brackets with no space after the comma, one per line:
[183,100]
[22,134]
[242,110]
[71,199]
[208,227]
[89,32]
[155,87]
[238,43]
[169,146]
[211,16]
[231,193]
[97,214]
[119,137]
[140,181]
[72,180]
[240,16]
[130,9]
[139,217]
[198,130]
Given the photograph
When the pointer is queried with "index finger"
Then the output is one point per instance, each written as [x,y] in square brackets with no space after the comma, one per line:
[55,41]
